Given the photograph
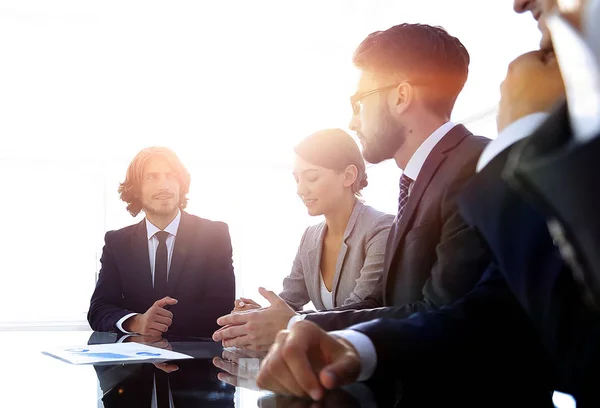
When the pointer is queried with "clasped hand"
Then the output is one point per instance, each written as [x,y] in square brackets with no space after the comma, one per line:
[306,361]
[256,328]
[155,321]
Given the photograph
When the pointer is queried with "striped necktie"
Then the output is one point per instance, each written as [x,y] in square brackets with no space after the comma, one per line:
[405,183]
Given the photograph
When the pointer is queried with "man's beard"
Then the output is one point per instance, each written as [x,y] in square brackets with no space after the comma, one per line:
[386,141]
[160,210]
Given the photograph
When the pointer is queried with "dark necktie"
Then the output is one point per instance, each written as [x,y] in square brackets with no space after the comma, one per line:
[405,183]
[160,265]
[162,388]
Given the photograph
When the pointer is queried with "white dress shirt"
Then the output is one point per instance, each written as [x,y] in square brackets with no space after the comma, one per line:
[151,230]
[591,29]
[362,343]
[415,164]
[510,135]
[326,295]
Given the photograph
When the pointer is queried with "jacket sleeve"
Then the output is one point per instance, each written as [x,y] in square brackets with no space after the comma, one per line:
[486,328]
[106,303]
[294,290]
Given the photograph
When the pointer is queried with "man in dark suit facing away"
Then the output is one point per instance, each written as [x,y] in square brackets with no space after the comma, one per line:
[558,169]
[412,75]
[170,273]
[531,317]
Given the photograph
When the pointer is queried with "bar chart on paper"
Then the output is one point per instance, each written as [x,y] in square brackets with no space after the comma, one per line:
[114,353]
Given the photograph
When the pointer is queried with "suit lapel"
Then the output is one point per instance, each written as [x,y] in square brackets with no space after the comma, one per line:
[338,270]
[183,245]
[430,167]
[141,258]
[358,207]
[314,263]
[420,185]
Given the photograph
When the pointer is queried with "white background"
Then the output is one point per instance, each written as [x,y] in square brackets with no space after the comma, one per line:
[231,86]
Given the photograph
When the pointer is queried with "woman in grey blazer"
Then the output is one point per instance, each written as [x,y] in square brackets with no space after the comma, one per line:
[339,261]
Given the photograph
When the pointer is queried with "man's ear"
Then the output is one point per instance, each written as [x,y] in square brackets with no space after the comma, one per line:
[402,97]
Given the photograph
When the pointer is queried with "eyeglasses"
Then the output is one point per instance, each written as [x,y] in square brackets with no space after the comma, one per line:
[356,98]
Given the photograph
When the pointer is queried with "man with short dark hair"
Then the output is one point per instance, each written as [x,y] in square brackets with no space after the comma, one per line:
[557,169]
[172,272]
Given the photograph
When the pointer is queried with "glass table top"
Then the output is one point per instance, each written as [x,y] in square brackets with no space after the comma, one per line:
[215,377]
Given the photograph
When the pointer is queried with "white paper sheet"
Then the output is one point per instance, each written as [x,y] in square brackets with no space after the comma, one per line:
[114,353]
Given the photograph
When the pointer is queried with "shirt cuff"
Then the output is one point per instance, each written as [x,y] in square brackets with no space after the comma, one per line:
[295,319]
[365,348]
[510,135]
[122,339]
[122,320]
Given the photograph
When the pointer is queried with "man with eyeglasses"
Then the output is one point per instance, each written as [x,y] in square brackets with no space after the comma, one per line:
[411,77]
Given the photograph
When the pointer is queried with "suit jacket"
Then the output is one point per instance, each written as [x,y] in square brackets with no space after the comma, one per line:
[200,277]
[432,256]
[358,268]
[525,318]
[561,179]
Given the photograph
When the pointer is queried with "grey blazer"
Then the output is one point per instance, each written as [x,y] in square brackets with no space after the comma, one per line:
[359,265]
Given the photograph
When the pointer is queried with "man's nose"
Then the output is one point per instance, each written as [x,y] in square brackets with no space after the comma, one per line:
[163,182]
[354,124]
[521,6]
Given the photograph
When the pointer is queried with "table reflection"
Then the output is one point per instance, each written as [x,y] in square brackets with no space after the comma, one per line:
[193,384]
[240,369]
[177,384]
